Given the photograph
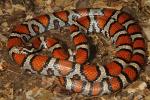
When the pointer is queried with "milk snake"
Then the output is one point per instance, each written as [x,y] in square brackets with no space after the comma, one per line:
[93,79]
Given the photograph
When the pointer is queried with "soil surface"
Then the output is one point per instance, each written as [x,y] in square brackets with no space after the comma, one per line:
[18,85]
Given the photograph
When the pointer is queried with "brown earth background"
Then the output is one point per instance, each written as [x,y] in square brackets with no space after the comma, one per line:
[17,85]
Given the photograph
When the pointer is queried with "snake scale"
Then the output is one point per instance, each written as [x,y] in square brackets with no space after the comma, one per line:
[93,79]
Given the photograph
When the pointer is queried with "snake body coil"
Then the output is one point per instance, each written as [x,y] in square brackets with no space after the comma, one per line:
[123,31]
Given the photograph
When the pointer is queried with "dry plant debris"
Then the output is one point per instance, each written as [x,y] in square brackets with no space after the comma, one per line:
[17,85]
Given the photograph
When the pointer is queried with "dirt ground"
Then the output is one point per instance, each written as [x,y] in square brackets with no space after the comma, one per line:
[18,85]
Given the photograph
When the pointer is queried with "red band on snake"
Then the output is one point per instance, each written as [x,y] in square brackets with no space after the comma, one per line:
[117,26]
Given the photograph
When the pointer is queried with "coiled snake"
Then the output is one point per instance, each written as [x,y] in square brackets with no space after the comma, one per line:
[118,26]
